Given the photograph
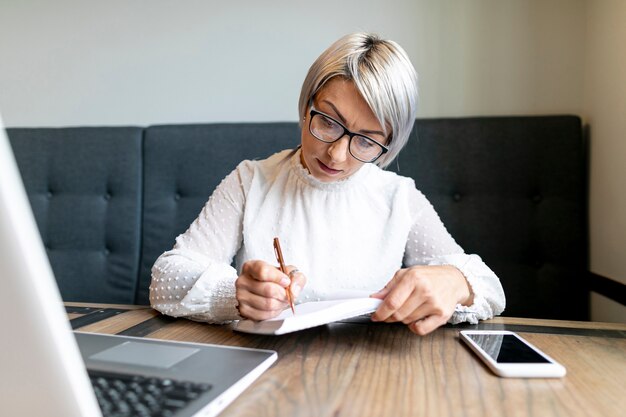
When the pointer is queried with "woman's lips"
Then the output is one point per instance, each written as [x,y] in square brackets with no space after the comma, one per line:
[327,169]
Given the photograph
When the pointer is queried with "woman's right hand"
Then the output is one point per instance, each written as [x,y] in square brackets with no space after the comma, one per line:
[261,289]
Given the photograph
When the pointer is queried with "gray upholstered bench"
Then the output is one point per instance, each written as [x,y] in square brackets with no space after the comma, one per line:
[109,200]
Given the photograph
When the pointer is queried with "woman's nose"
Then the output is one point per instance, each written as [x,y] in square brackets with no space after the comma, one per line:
[338,150]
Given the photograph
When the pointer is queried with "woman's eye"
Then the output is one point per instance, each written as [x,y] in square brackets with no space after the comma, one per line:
[329,123]
[363,142]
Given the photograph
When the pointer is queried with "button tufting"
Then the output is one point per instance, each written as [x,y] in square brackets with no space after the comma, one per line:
[106,251]
[177,196]
[537,198]
[107,196]
[456,197]
[49,195]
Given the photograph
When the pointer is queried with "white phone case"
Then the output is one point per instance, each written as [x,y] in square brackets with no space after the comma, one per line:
[549,369]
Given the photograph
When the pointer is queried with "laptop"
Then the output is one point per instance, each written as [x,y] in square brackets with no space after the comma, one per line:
[48,370]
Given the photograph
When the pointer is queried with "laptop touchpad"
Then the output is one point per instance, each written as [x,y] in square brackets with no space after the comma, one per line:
[145,354]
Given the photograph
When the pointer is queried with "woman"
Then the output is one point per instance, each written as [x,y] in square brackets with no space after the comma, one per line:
[344,223]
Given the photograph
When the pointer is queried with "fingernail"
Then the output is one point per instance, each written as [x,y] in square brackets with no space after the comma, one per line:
[378,293]
[295,290]
[285,282]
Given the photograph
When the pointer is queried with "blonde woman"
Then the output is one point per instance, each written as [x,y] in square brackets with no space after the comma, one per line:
[344,222]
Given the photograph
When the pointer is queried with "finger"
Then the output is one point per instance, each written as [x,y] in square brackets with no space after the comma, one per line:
[422,311]
[262,303]
[262,271]
[261,289]
[249,312]
[429,307]
[393,301]
[298,280]
[427,325]
[382,293]
[414,308]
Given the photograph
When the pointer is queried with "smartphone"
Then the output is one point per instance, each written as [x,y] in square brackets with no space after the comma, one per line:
[509,355]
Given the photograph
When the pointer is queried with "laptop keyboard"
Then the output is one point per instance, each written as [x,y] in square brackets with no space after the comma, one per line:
[121,395]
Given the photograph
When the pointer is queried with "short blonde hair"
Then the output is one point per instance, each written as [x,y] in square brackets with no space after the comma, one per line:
[382,73]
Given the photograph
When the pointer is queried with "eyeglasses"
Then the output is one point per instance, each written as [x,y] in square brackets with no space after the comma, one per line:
[329,130]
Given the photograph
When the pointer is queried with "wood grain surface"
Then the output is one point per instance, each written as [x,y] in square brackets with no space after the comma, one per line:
[373,369]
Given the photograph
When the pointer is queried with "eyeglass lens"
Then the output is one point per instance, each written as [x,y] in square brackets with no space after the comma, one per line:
[328,130]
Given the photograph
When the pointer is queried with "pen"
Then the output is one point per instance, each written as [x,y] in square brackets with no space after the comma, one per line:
[281,262]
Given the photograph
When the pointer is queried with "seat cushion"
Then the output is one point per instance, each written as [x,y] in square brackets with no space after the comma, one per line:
[84,185]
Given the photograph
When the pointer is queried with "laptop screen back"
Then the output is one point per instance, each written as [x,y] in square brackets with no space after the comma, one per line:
[42,370]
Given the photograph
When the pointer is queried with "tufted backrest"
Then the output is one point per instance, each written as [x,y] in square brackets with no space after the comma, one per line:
[511,189]
[184,164]
[84,185]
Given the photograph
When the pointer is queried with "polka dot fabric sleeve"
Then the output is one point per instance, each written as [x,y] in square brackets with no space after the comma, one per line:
[429,243]
[195,279]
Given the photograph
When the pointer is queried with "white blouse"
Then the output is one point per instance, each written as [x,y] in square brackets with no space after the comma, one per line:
[347,235]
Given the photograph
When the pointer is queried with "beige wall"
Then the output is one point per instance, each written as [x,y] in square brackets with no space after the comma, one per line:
[77,62]
[72,62]
[605,111]
[500,57]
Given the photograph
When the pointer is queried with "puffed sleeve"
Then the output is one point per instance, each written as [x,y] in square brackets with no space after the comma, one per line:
[195,279]
[429,243]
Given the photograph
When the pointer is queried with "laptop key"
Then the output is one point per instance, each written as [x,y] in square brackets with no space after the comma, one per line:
[173,403]
[121,395]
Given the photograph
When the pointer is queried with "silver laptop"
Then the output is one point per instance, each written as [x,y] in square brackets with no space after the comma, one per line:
[46,370]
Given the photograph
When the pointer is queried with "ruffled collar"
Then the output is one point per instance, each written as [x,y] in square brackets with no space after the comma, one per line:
[303,174]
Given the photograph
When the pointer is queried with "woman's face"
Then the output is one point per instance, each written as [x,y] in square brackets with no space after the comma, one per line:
[340,100]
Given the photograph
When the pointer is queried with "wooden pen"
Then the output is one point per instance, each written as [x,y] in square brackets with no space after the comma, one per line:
[281,263]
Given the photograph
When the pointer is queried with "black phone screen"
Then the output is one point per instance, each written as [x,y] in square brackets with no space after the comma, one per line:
[506,348]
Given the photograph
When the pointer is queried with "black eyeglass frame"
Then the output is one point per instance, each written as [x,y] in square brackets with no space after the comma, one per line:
[350,134]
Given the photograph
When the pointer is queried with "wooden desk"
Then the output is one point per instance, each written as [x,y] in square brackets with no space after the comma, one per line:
[371,369]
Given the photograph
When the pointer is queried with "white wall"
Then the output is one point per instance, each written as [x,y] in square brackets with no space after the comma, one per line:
[500,57]
[605,110]
[143,62]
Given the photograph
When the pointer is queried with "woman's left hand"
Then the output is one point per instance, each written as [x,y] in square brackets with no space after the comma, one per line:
[423,297]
